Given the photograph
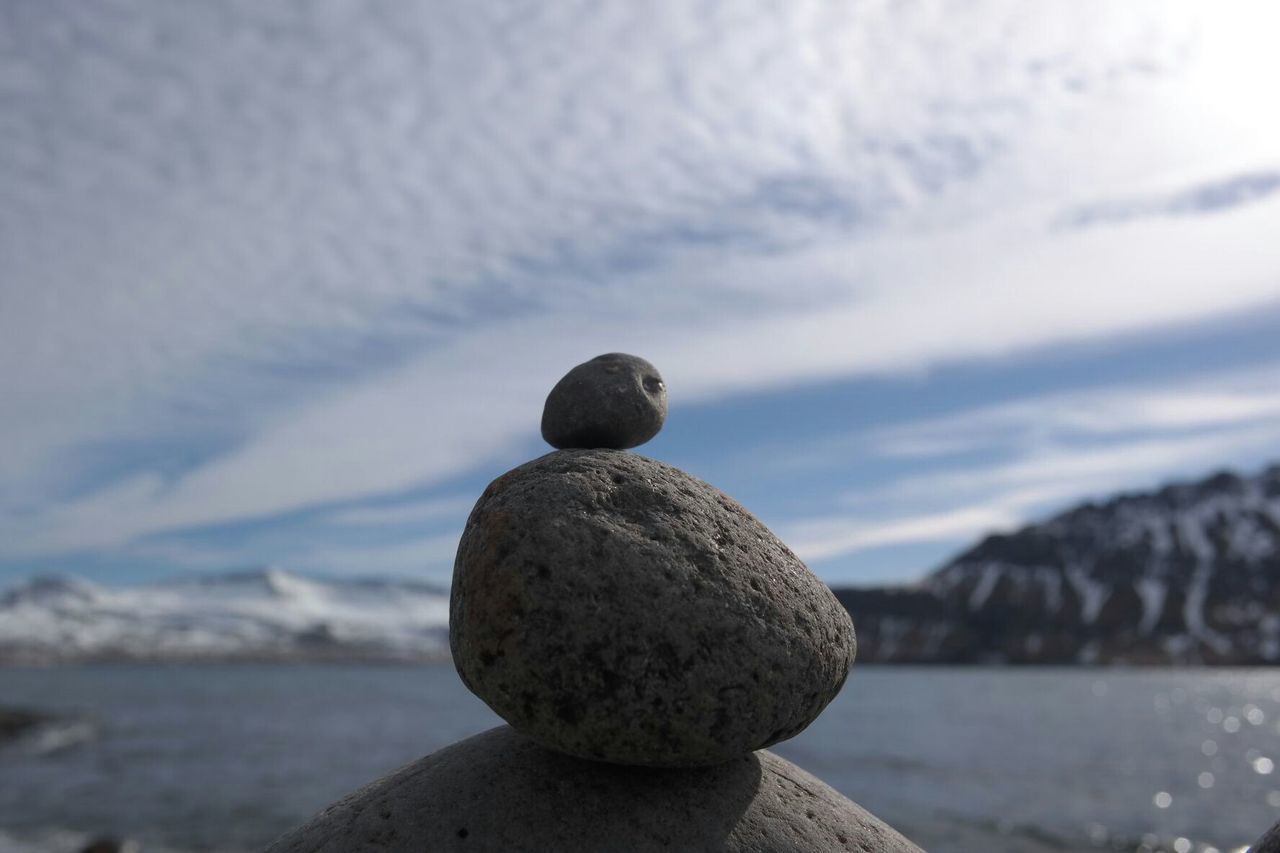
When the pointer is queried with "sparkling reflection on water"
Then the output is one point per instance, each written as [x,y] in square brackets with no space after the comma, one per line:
[1053,759]
[227,757]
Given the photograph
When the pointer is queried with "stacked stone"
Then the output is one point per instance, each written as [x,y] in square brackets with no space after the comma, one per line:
[645,638]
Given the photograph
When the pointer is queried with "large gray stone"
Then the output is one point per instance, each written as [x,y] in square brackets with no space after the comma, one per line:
[614,400]
[498,791]
[614,607]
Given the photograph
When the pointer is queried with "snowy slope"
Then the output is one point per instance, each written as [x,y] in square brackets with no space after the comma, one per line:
[262,614]
[1189,573]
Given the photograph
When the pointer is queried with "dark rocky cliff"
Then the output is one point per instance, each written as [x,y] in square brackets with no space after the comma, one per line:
[1186,574]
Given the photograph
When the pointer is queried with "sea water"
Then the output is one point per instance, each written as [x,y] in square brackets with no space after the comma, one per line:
[218,757]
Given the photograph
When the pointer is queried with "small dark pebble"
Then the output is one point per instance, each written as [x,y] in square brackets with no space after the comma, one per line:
[15,722]
[613,401]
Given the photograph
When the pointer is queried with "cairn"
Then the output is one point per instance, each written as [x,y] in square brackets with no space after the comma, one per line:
[645,638]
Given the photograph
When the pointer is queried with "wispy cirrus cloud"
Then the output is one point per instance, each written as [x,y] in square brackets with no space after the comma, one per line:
[824,538]
[410,512]
[428,557]
[1204,404]
[1214,197]
[996,467]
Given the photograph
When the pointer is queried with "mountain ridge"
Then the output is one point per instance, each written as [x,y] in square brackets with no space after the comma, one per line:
[1187,573]
[265,613]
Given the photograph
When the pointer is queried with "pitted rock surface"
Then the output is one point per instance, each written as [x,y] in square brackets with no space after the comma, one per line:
[500,791]
[616,608]
[614,400]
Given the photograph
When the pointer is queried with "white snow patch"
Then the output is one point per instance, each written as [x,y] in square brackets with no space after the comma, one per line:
[1052,582]
[1177,646]
[1192,534]
[937,633]
[1159,537]
[1250,541]
[982,591]
[1193,611]
[891,631]
[1092,594]
[1088,653]
[269,611]
[1153,593]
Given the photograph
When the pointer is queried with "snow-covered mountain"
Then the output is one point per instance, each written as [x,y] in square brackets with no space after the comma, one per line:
[264,614]
[1186,574]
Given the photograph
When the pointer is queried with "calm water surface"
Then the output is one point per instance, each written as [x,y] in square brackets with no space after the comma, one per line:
[228,757]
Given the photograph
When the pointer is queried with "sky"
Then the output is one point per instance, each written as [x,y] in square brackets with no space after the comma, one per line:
[288,283]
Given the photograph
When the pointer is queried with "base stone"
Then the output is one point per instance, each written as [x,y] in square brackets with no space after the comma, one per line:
[500,791]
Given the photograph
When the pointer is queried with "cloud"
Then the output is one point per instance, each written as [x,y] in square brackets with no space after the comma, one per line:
[1208,198]
[986,291]
[430,556]
[337,254]
[1204,403]
[996,467]
[1040,474]
[976,500]
[415,512]
[423,556]
[819,539]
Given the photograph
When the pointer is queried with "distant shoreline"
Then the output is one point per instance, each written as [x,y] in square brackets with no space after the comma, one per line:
[231,660]
[433,661]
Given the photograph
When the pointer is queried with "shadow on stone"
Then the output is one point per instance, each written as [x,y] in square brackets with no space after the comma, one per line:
[500,791]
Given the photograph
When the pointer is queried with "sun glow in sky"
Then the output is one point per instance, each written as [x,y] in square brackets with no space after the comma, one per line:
[288,283]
